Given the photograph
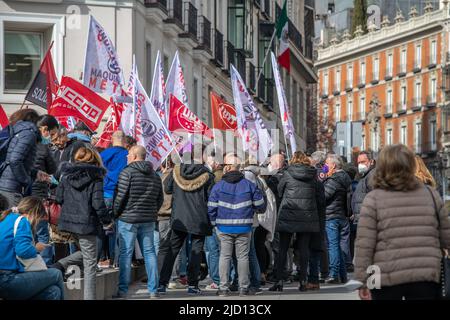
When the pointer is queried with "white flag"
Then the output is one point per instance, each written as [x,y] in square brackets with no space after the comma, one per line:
[159,89]
[285,115]
[255,136]
[175,82]
[152,132]
[128,120]
[102,70]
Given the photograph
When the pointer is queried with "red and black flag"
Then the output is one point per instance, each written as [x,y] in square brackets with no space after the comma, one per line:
[45,84]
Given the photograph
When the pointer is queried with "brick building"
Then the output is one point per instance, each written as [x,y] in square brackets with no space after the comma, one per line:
[392,81]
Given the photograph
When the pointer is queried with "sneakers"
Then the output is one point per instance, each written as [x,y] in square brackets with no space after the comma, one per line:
[154,295]
[183,281]
[255,291]
[162,289]
[212,287]
[312,286]
[234,288]
[332,280]
[223,293]
[243,292]
[194,291]
[104,264]
[120,295]
[178,284]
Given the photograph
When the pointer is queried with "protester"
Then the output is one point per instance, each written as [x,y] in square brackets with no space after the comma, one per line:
[366,169]
[61,147]
[16,172]
[189,185]
[129,142]
[81,136]
[402,228]
[15,283]
[337,185]
[231,207]
[83,212]
[423,174]
[298,214]
[318,159]
[136,204]
[114,160]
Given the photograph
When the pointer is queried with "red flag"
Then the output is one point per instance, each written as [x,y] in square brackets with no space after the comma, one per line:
[181,118]
[223,114]
[3,118]
[45,84]
[111,126]
[80,102]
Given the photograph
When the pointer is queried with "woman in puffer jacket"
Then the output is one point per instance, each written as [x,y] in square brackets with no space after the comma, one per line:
[401,230]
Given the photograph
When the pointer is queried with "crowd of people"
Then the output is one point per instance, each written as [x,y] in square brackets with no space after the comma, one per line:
[313,218]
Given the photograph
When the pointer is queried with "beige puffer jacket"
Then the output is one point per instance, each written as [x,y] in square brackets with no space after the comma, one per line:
[398,232]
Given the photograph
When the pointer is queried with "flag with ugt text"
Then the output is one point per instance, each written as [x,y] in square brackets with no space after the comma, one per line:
[45,84]
[286,119]
[223,114]
[102,70]
[255,136]
[158,92]
[80,102]
[111,126]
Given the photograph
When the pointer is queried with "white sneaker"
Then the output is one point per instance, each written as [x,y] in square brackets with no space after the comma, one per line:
[212,287]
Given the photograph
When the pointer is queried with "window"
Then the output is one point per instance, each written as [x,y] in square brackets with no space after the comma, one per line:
[403,135]
[350,110]
[418,137]
[337,113]
[375,144]
[350,76]
[389,101]
[418,60]
[376,69]
[362,73]
[338,81]
[433,137]
[418,94]
[240,22]
[403,61]
[433,90]
[362,108]
[148,59]
[433,56]
[23,56]
[390,65]
[325,84]
[403,98]
[389,136]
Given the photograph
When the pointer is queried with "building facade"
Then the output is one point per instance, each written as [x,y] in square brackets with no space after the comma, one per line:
[394,83]
[209,35]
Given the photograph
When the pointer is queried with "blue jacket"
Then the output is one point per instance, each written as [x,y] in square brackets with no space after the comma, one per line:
[233,202]
[114,160]
[10,246]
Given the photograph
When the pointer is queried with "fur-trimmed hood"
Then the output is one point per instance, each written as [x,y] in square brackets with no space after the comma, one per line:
[190,177]
[79,175]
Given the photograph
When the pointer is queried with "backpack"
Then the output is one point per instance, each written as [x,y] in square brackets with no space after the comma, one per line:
[6,135]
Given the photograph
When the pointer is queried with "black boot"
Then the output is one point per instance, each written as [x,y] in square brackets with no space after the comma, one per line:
[277,286]
[302,286]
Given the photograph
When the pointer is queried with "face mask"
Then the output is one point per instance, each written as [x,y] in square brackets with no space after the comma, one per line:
[45,140]
[362,168]
[325,169]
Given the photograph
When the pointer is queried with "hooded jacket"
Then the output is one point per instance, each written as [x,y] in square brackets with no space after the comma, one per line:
[233,202]
[189,185]
[19,172]
[139,194]
[114,160]
[336,188]
[80,192]
[301,201]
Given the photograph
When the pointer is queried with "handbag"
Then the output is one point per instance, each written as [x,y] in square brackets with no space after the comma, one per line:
[32,264]
[53,210]
[445,263]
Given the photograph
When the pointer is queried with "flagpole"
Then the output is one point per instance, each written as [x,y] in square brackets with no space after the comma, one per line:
[265,59]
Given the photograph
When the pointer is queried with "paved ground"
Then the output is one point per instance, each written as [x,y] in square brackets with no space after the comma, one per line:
[138,291]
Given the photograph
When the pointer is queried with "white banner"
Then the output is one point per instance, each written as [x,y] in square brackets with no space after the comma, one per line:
[102,70]
[285,115]
[175,82]
[127,123]
[255,136]
[159,89]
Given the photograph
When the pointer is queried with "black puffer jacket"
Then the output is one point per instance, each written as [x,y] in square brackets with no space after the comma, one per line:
[139,194]
[190,185]
[299,191]
[273,180]
[80,193]
[44,162]
[362,189]
[19,172]
[336,188]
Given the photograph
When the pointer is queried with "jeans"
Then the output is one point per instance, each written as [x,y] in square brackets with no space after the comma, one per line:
[143,232]
[167,258]
[86,257]
[338,232]
[255,271]
[229,242]
[111,238]
[408,291]
[43,236]
[212,249]
[39,285]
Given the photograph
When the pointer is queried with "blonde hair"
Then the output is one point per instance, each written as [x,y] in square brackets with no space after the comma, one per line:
[88,155]
[423,174]
[300,158]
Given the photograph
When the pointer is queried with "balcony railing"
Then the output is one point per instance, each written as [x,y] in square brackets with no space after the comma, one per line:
[337,89]
[262,88]
[161,4]
[431,101]
[239,58]
[402,70]
[266,8]
[417,66]
[176,12]
[251,77]
[416,104]
[270,84]
[205,33]
[375,78]
[295,36]
[361,81]
[389,74]
[429,146]
[389,108]
[191,20]
[432,62]
[218,48]
[401,108]
[348,85]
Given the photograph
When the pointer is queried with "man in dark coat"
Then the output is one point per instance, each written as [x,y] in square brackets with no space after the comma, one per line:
[136,204]
[337,185]
[189,185]
[366,169]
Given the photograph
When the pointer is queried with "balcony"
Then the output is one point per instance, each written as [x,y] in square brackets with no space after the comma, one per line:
[337,89]
[375,79]
[175,13]
[432,62]
[230,55]
[416,104]
[388,75]
[348,85]
[402,71]
[401,108]
[417,67]
[251,77]
[191,22]
[262,88]
[270,85]
[266,9]
[361,82]
[218,48]
[431,101]
[159,4]
[429,147]
[295,36]
[205,34]
[324,93]
[417,148]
